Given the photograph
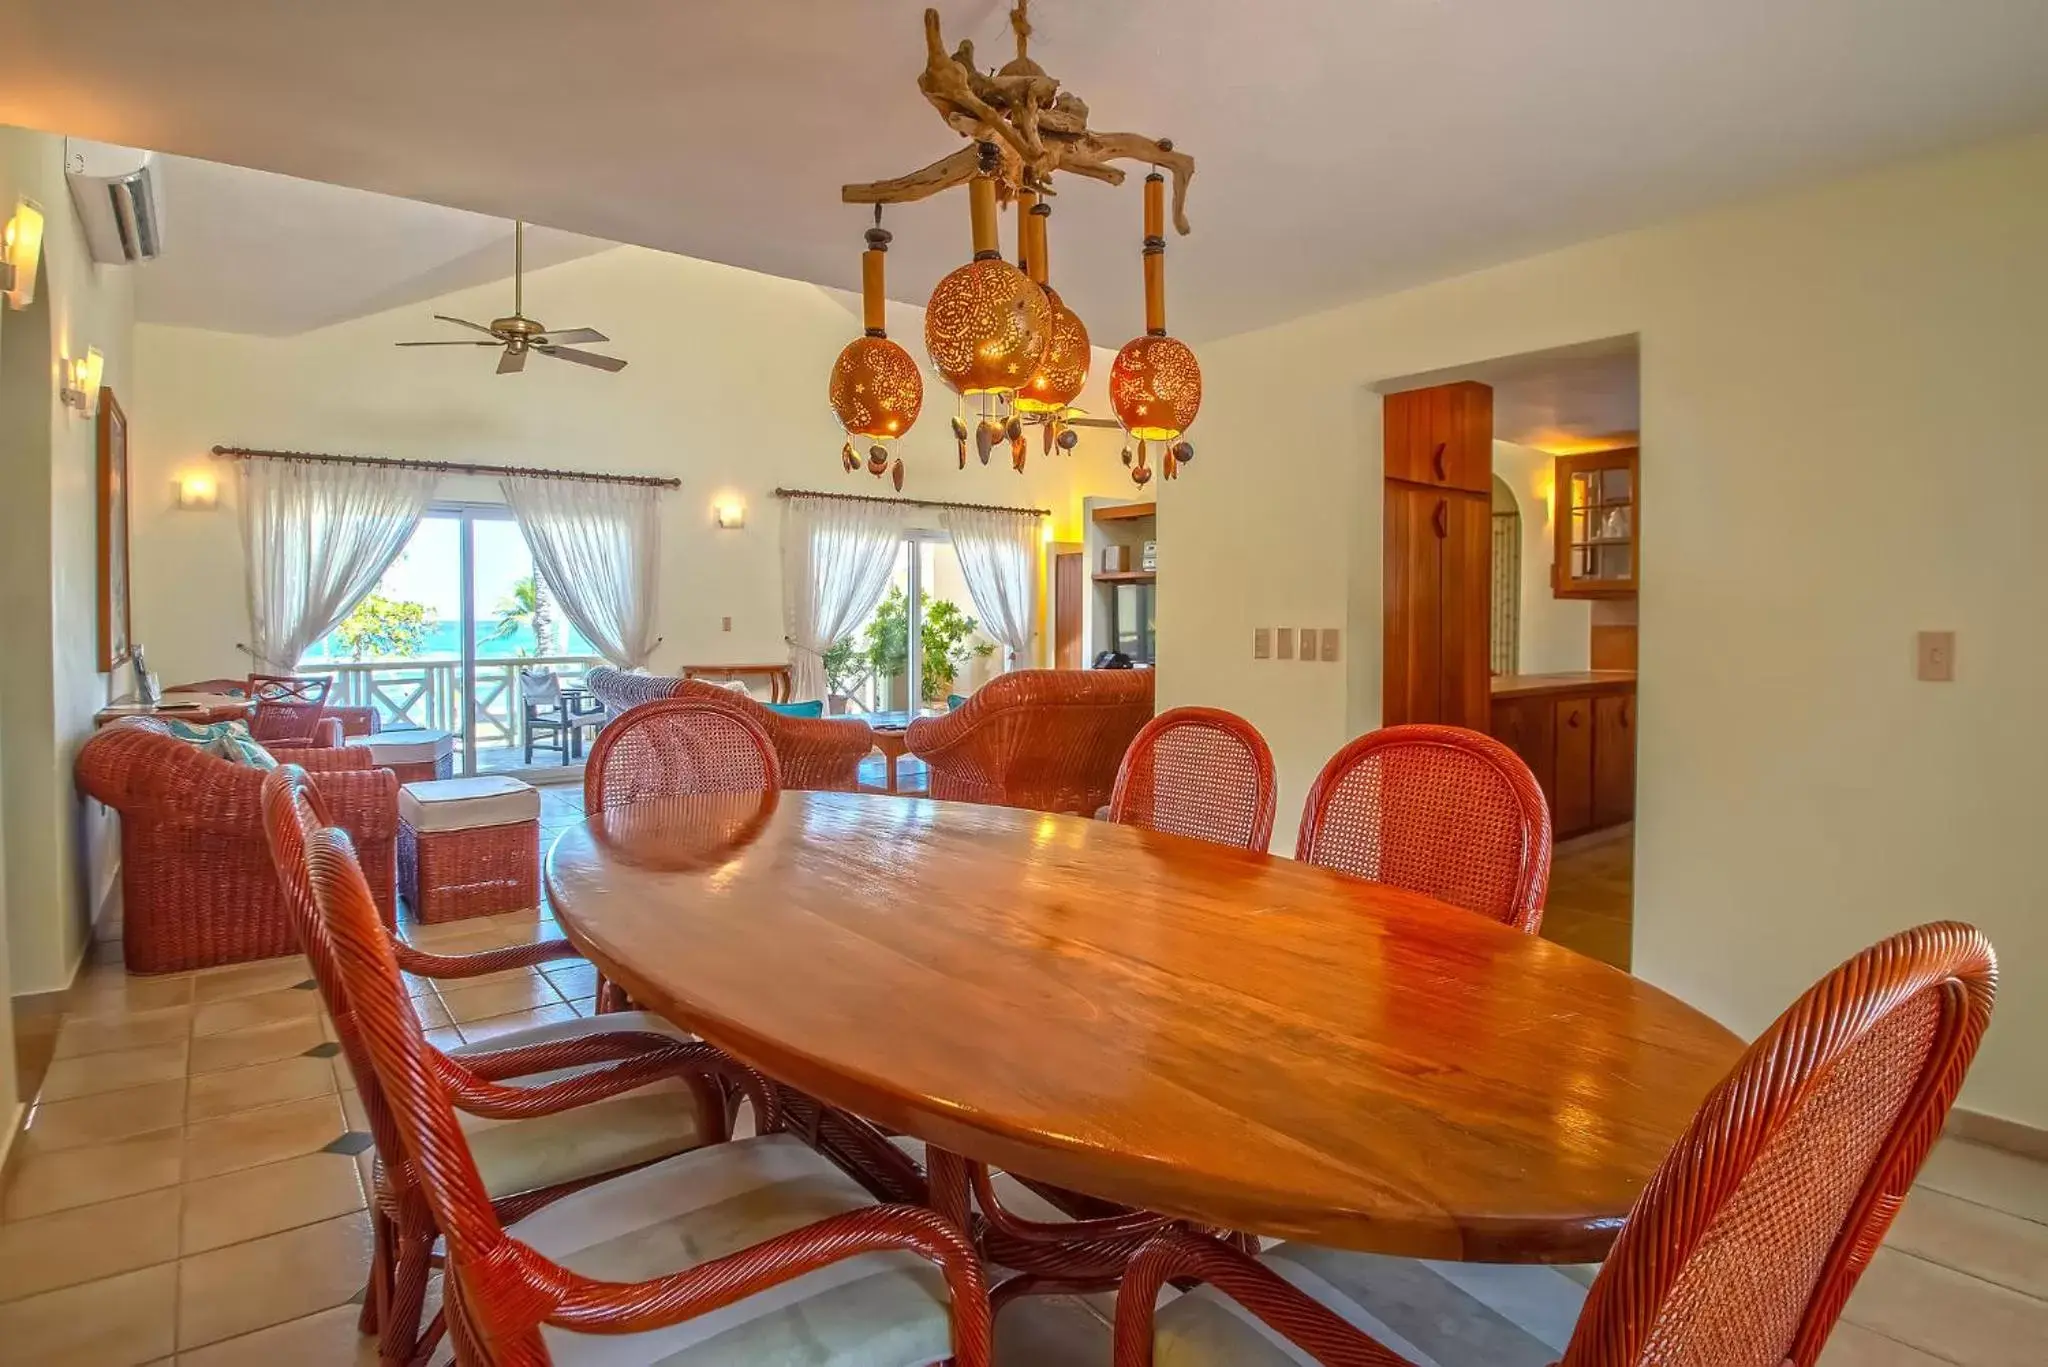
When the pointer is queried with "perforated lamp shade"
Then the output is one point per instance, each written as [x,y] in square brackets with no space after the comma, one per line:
[1064,371]
[876,388]
[987,328]
[1155,386]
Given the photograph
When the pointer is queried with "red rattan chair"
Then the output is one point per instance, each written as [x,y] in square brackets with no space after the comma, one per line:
[1741,1251]
[1200,772]
[817,754]
[1045,739]
[720,1225]
[548,1109]
[197,885]
[1437,810]
[289,707]
[672,747]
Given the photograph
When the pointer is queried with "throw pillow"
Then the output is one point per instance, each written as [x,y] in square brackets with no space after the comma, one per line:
[228,740]
[814,708]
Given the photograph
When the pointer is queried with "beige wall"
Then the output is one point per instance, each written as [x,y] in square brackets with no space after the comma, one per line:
[1556,633]
[725,388]
[49,680]
[1841,392]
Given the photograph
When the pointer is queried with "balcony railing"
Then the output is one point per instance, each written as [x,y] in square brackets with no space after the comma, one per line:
[427,693]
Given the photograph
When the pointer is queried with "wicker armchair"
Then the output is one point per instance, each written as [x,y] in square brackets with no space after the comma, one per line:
[817,754]
[1741,1251]
[1199,772]
[617,1093]
[675,1254]
[1437,810]
[290,708]
[197,884]
[1047,739]
[349,721]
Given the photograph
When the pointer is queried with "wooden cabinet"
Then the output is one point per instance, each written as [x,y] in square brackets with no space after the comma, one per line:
[1438,567]
[1598,525]
[1441,436]
[1577,734]
[1614,760]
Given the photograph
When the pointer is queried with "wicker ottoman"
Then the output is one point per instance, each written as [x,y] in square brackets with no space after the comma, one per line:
[468,847]
[415,756]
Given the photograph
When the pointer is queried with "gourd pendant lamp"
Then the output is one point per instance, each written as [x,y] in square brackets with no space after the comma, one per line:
[988,325]
[876,389]
[1155,384]
[1048,396]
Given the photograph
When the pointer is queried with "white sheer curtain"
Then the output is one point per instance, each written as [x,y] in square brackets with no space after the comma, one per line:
[836,557]
[598,544]
[998,551]
[316,536]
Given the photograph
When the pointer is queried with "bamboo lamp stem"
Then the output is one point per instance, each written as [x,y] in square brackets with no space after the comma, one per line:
[1027,242]
[874,294]
[981,205]
[1041,243]
[1155,254]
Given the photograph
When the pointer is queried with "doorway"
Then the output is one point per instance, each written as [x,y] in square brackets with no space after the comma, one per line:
[441,643]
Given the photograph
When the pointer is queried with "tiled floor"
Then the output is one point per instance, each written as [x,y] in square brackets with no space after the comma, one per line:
[1592,895]
[190,1188]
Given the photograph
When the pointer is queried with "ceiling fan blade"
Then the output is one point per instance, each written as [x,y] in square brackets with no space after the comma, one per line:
[513,361]
[464,342]
[1092,422]
[589,358]
[465,323]
[554,338]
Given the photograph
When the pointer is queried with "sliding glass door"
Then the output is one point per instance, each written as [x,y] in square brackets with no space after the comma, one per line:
[441,642]
[922,646]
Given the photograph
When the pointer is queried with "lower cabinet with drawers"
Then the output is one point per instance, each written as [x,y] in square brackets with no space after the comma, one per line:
[1577,734]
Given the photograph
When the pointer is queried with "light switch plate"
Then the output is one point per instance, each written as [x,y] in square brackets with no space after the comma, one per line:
[1937,657]
[1262,643]
[1308,644]
[725,624]
[1330,645]
[1284,646]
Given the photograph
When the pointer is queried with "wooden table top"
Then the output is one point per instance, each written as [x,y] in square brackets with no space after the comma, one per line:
[1232,1038]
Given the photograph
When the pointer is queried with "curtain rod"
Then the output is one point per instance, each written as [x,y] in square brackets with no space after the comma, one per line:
[909,502]
[445,466]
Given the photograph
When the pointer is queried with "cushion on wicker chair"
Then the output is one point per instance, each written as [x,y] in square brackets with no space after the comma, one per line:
[876,1310]
[640,1126]
[1446,1314]
[228,740]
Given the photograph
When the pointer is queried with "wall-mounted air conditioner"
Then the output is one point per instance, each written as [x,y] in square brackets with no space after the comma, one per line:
[119,194]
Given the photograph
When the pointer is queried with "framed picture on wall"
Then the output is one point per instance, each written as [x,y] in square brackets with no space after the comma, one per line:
[113,519]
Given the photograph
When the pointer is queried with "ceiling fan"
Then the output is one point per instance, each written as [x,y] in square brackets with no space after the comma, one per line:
[519,334]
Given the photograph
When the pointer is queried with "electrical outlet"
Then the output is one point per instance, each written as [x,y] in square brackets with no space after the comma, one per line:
[725,624]
[1308,644]
[1284,646]
[1262,643]
[1330,645]
[1937,657]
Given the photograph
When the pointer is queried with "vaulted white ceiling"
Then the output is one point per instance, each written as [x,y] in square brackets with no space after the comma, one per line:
[1344,147]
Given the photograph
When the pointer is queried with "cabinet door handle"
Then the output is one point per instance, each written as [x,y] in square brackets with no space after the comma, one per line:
[1571,719]
[1437,460]
[1442,519]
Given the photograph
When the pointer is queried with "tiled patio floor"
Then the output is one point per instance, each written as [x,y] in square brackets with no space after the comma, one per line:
[191,1186]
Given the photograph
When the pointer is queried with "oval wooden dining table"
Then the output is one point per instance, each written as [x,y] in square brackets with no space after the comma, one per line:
[1234,1039]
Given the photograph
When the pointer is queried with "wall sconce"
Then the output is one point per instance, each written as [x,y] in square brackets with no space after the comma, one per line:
[731,514]
[82,382]
[21,247]
[198,493]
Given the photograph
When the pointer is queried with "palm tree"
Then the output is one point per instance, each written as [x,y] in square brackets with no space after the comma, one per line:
[529,605]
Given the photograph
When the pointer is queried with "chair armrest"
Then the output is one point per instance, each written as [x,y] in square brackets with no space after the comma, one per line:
[327,734]
[363,801]
[1180,1256]
[845,738]
[322,760]
[928,736]
[426,964]
[579,1303]
[638,1058]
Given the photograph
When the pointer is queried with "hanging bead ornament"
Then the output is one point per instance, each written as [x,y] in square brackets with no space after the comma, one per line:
[1155,385]
[876,388]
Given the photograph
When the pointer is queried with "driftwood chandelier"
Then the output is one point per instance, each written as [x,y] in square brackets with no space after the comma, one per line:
[999,335]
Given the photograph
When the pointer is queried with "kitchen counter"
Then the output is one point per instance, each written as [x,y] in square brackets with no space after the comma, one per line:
[1579,681]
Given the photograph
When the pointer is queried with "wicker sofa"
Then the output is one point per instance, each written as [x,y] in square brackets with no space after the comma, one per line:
[818,754]
[1047,739]
[197,884]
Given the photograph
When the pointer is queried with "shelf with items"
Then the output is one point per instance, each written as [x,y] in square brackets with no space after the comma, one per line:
[1598,524]
[1126,576]
[1126,512]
